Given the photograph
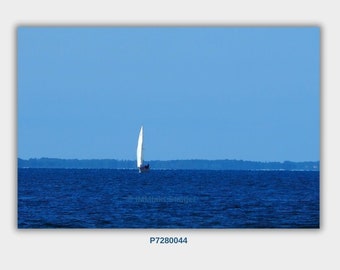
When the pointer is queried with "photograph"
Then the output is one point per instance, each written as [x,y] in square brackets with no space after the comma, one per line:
[168,127]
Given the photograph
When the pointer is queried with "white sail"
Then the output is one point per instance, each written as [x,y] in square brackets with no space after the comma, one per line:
[140,148]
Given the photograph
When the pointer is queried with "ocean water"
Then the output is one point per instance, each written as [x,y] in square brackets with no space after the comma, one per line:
[103,198]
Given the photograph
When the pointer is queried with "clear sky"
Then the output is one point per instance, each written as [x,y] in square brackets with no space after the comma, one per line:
[200,92]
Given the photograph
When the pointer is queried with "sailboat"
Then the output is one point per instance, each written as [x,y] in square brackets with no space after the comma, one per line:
[140,162]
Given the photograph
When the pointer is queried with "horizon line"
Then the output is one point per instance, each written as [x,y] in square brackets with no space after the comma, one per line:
[203,159]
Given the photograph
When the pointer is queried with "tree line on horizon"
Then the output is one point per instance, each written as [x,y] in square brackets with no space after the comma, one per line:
[193,164]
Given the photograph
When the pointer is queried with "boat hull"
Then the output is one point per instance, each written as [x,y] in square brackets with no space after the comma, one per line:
[144,168]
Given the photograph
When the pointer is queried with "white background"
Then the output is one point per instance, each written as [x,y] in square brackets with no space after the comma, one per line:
[227,249]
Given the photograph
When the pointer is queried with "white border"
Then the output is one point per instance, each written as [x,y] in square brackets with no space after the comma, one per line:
[232,249]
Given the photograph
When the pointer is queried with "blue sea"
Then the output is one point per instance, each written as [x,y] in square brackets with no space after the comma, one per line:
[105,198]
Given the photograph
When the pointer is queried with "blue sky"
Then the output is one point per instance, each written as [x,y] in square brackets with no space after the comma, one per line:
[200,92]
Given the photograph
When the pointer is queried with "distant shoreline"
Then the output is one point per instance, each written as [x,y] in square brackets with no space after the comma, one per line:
[193,164]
